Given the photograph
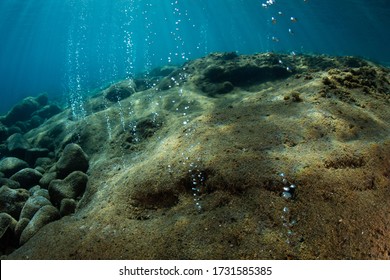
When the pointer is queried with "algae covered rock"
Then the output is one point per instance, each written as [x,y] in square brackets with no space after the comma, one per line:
[6,222]
[68,206]
[11,165]
[27,177]
[12,201]
[72,187]
[73,159]
[33,204]
[120,91]
[45,215]
[17,145]
[8,239]
[9,183]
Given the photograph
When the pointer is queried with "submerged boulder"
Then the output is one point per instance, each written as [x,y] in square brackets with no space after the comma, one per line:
[73,159]
[11,165]
[12,201]
[24,109]
[33,204]
[17,145]
[7,233]
[42,217]
[73,186]
[120,91]
[27,177]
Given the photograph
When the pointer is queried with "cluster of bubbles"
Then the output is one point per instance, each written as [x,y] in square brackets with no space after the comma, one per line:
[278,15]
[197,184]
[76,68]
[288,221]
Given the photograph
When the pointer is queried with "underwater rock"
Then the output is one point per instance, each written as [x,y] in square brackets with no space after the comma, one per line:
[6,222]
[42,99]
[33,204]
[219,73]
[42,217]
[20,226]
[7,232]
[41,192]
[12,200]
[43,162]
[217,88]
[47,111]
[68,206]
[27,177]
[31,155]
[24,109]
[11,165]
[72,186]
[47,178]
[17,145]
[73,159]
[9,183]
[3,132]
[21,111]
[163,71]
[120,91]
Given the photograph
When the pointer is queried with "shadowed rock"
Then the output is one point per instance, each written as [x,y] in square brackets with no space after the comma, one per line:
[72,186]
[11,165]
[73,159]
[33,204]
[45,215]
[27,177]
[17,145]
[12,201]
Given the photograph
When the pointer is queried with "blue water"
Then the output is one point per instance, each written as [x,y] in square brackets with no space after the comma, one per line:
[64,47]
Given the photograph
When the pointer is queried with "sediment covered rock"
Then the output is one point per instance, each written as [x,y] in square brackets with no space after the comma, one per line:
[71,187]
[33,204]
[73,159]
[27,177]
[11,165]
[17,145]
[43,216]
[12,201]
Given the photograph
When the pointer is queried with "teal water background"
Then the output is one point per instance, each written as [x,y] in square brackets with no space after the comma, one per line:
[64,47]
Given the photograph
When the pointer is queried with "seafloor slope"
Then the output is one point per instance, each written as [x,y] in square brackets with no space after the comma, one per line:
[187,165]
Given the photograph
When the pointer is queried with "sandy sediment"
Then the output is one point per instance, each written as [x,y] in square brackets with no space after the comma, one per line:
[189,166]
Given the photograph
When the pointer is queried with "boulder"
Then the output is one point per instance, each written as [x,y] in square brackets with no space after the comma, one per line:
[73,159]
[8,239]
[68,206]
[21,111]
[42,217]
[72,187]
[9,183]
[47,111]
[44,162]
[27,177]
[12,201]
[42,192]
[3,132]
[47,178]
[120,91]
[17,145]
[20,226]
[11,165]
[33,154]
[33,204]
[6,222]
